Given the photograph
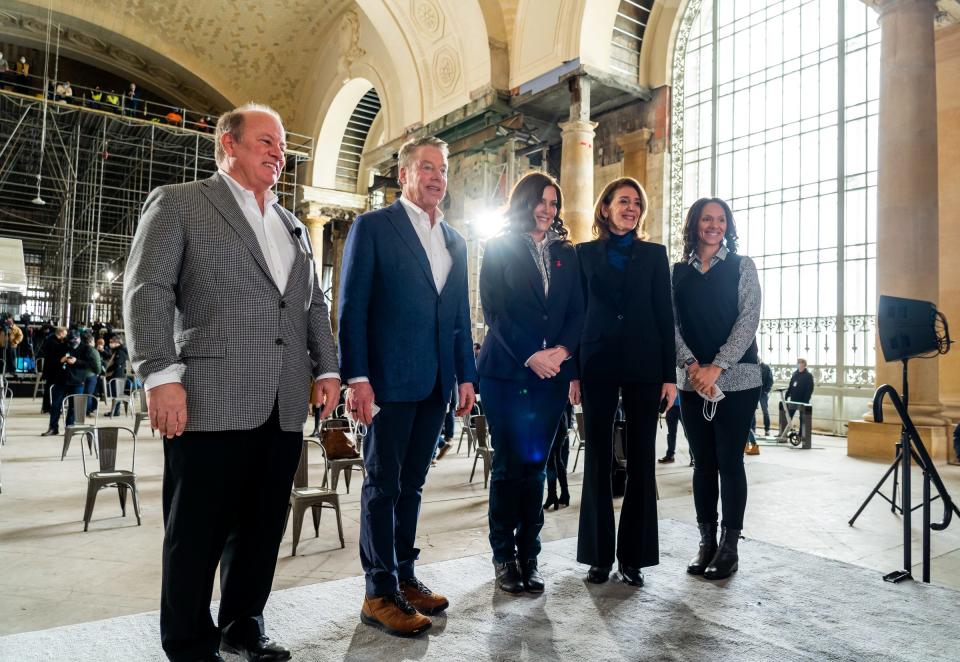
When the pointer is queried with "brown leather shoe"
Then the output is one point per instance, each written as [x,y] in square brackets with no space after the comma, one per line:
[423,599]
[394,615]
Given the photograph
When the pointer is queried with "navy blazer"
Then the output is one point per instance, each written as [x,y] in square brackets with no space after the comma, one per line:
[395,328]
[629,334]
[521,320]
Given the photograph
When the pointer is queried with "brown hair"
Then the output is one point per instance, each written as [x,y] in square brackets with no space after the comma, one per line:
[524,198]
[601,224]
[690,235]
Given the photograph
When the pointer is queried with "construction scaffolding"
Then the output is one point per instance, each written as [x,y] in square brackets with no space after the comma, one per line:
[73,180]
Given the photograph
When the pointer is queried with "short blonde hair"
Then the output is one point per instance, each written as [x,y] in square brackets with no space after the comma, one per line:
[232,122]
[409,149]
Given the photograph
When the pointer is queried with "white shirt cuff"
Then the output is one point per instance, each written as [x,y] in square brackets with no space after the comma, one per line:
[357,380]
[169,375]
[329,375]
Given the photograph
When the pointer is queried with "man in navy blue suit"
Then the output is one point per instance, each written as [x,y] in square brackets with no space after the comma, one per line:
[404,343]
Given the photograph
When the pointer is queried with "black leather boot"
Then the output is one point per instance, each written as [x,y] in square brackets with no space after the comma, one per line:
[532,578]
[708,549]
[724,563]
[509,578]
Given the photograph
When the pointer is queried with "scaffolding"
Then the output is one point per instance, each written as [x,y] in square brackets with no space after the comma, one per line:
[73,180]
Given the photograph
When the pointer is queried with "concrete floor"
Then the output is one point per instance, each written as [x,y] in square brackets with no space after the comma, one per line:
[55,574]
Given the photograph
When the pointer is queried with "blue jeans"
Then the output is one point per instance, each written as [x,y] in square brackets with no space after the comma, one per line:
[522,418]
[90,388]
[57,394]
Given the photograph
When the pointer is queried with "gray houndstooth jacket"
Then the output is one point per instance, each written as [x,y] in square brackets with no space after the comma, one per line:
[197,290]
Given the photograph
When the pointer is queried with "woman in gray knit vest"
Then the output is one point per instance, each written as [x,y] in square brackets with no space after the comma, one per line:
[716,298]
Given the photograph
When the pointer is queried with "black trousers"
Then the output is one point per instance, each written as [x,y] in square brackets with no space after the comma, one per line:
[225,498]
[637,544]
[559,457]
[396,453]
[522,418]
[717,448]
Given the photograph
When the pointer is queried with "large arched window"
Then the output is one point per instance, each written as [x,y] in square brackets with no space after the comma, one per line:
[775,110]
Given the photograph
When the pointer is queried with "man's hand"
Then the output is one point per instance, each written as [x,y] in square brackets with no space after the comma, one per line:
[467,399]
[574,391]
[167,406]
[360,402]
[326,394]
[546,362]
[669,393]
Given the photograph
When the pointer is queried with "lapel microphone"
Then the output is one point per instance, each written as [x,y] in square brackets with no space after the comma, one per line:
[297,232]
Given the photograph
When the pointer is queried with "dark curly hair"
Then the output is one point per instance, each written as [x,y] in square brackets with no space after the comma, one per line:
[690,226]
[524,198]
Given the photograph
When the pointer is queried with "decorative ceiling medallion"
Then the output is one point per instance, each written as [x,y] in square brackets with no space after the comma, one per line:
[446,67]
[428,17]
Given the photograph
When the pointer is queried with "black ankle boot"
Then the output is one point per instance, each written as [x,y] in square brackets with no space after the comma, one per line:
[551,501]
[509,578]
[532,578]
[724,563]
[708,549]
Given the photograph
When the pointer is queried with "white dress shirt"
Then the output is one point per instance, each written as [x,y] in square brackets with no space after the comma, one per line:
[434,245]
[276,243]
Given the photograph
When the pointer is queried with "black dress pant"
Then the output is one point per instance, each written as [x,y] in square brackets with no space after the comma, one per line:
[225,498]
[717,448]
[637,544]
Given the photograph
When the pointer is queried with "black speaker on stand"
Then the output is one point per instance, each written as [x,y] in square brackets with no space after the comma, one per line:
[908,329]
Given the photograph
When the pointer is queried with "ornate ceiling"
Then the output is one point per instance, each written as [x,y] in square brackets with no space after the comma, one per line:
[210,54]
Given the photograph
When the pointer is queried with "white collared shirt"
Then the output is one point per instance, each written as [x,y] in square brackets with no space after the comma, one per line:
[277,245]
[434,245]
[273,235]
[433,242]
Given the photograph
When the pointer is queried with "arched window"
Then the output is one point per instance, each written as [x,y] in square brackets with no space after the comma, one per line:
[775,111]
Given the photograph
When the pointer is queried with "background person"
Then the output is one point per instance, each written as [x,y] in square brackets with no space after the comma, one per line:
[716,294]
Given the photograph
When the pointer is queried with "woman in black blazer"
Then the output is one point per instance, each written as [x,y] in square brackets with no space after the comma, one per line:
[533,306]
[626,350]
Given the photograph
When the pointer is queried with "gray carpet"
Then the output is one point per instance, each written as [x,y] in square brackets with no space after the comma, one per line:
[782,605]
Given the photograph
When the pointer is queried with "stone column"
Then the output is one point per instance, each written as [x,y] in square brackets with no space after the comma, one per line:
[315,220]
[338,237]
[907,221]
[634,146]
[948,147]
[576,163]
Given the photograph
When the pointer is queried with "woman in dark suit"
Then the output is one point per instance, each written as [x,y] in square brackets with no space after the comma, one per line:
[626,350]
[533,306]
[716,294]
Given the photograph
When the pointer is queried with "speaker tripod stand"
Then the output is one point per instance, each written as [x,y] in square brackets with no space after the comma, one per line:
[910,449]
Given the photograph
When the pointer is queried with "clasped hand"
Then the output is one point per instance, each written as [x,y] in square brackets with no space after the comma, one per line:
[546,363]
[703,378]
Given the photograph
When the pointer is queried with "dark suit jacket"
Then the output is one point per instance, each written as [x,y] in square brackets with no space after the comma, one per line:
[801,386]
[628,335]
[522,321]
[395,328]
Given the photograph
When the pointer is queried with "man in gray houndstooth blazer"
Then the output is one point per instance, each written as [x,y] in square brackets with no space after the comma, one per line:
[218,273]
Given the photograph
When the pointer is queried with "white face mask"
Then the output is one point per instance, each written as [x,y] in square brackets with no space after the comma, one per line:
[710,402]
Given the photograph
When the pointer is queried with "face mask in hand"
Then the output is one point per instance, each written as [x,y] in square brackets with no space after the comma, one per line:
[710,402]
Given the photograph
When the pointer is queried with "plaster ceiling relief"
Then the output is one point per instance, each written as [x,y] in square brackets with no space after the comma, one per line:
[262,50]
[446,68]
[427,17]
[948,13]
